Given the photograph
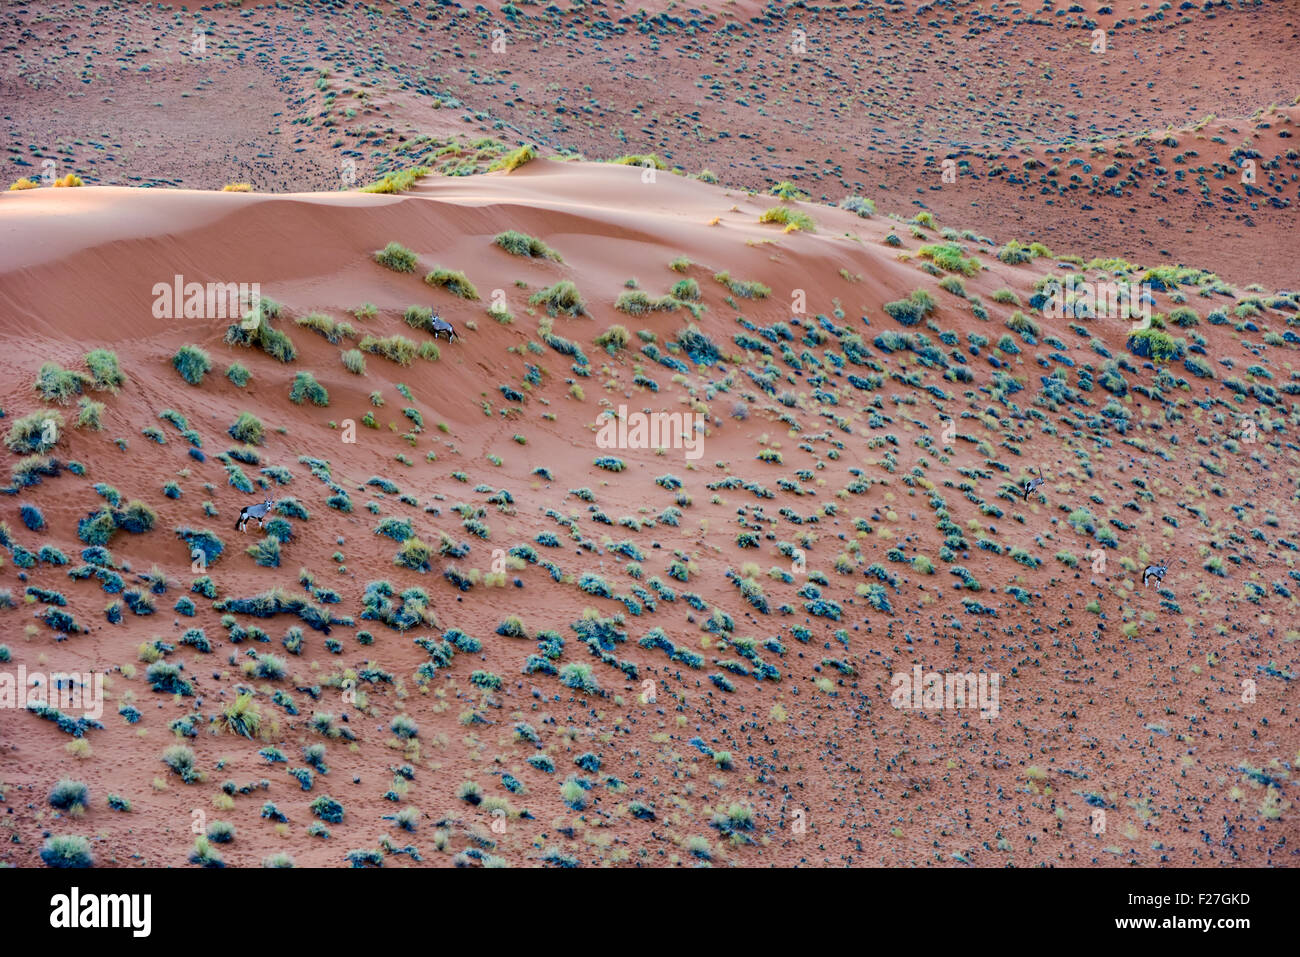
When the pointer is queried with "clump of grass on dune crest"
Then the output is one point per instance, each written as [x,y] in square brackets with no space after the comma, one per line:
[688,290]
[104,370]
[794,220]
[910,311]
[72,179]
[238,374]
[1155,344]
[614,338]
[948,256]
[418,317]
[89,415]
[856,204]
[635,302]
[787,190]
[192,363]
[255,329]
[514,159]
[1014,253]
[396,257]
[743,288]
[242,716]
[457,283]
[247,429]
[396,182]
[414,554]
[23,183]
[332,329]
[305,387]
[57,384]
[397,348]
[647,160]
[521,244]
[237,188]
[67,850]
[354,361]
[562,297]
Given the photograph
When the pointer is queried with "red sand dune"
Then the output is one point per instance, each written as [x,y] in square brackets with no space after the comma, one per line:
[856,511]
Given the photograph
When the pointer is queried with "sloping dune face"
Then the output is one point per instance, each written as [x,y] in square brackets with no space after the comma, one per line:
[706,539]
[1155,132]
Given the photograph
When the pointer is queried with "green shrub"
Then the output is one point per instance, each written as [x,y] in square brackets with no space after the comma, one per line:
[69,794]
[104,370]
[414,554]
[792,219]
[645,160]
[636,302]
[192,363]
[614,338]
[743,288]
[354,361]
[686,289]
[949,256]
[266,552]
[397,348]
[453,281]
[1014,254]
[563,297]
[66,850]
[788,191]
[396,257]
[908,312]
[514,159]
[1022,324]
[35,433]
[856,204]
[263,335]
[306,387]
[57,384]
[333,330]
[237,374]
[247,428]
[1154,344]
[397,181]
[180,759]
[521,244]
[90,414]
[418,317]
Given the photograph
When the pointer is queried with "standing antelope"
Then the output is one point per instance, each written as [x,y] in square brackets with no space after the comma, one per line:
[438,324]
[1032,485]
[249,512]
[1156,572]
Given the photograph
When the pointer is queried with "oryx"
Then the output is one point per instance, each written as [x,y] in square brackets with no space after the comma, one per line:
[249,512]
[1156,572]
[1032,485]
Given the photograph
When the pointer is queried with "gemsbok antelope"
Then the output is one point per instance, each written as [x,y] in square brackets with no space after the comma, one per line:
[249,512]
[1032,485]
[1156,572]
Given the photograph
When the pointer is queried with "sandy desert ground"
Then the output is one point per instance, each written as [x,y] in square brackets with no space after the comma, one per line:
[470,632]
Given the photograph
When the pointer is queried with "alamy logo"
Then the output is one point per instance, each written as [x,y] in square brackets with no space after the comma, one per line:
[1102,300]
[73,910]
[652,430]
[212,300]
[67,691]
[937,692]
